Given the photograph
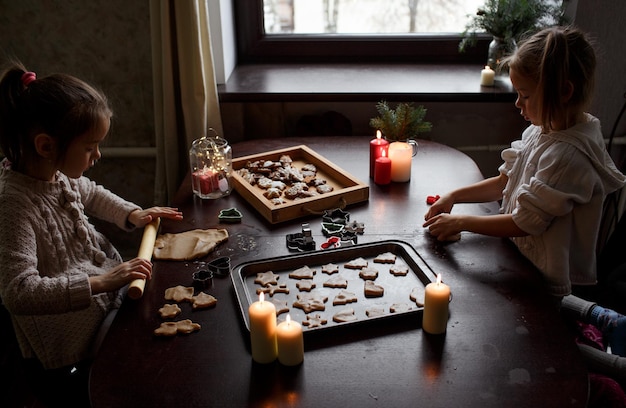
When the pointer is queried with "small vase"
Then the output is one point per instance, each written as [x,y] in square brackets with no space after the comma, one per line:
[498,49]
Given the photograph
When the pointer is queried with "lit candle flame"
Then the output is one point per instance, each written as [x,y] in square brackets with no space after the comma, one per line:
[438,278]
[288,319]
[261,297]
[383,153]
[379,135]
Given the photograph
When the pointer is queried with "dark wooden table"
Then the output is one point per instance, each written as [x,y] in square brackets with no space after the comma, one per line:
[505,344]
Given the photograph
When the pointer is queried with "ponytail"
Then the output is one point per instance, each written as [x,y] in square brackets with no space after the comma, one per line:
[61,106]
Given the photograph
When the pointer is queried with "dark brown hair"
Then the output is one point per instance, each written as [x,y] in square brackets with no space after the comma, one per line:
[554,58]
[62,106]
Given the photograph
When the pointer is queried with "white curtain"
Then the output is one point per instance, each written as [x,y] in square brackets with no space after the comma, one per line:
[186,104]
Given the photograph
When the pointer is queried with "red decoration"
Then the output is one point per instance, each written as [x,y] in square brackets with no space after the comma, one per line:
[205,180]
[432,199]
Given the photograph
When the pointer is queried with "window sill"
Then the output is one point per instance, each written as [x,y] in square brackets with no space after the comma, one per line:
[361,83]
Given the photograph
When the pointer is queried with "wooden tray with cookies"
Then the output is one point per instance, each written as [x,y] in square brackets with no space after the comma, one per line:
[289,183]
[336,287]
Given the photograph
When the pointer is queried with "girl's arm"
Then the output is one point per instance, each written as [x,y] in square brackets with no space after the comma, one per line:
[445,226]
[484,191]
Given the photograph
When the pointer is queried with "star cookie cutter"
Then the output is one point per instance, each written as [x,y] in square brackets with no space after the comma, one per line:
[302,241]
[230,215]
[336,216]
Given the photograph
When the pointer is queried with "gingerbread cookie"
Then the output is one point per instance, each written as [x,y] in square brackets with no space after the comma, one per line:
[271,289]
[302,273]
[357,263]
[375,311]
[203,301]
[172,328]
[266,278]
[399,270]
[386,257]
[368,273]
[417,296]
[330,268]
[399,308]
[344,297]
[305,285]
[345,315]
[179,293]
[373,290]
[309,302]
[281,306]
[168,311]
[314,320]
[336,281]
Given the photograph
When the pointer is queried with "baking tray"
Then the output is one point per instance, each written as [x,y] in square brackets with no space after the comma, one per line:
[347,188]
[397,288]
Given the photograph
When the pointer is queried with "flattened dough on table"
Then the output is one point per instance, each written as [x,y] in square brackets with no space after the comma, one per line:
[188,245]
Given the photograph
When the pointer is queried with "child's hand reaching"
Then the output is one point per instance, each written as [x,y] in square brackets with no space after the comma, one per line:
[443,204]
[140,218]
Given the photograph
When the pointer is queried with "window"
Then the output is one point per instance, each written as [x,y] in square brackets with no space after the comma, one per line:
[348,31]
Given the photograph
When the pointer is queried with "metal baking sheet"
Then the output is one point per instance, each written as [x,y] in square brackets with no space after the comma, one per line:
[397,289]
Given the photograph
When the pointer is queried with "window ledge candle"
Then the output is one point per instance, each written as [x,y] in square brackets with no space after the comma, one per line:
[378,146]
[487,76]
[436,300]
[262,317]
[290,342]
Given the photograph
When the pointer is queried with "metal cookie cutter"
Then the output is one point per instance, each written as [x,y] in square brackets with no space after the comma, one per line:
[202,279]
[220,266]
[301,241]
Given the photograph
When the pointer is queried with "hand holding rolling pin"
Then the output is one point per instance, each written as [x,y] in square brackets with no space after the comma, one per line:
[137,270]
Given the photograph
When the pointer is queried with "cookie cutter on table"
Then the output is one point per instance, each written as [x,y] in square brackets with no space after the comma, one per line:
[301,241]
[230,215]
[220,266]
[336,216]
[202,279]
[337,241]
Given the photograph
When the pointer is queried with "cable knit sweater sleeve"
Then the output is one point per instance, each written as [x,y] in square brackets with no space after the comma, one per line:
[103,204]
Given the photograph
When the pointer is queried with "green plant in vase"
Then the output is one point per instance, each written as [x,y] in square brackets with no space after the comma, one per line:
[508,21]
[402,123]
[399,126]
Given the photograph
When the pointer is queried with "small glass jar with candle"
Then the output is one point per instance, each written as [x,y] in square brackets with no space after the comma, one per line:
[210,160]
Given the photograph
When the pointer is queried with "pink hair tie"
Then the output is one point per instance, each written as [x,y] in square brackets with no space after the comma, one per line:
[28,77]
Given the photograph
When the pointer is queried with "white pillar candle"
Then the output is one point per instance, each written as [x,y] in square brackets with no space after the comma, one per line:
[487,76]
[262,317]
[400,154]
[290,342]
[436,299]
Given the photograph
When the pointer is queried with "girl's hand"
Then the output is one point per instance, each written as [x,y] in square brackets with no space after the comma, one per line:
[121,275]
[444,227]
[139,218]
[443,205]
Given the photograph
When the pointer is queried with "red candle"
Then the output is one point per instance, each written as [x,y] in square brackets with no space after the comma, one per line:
[377,147]
[382,170]
[205,181]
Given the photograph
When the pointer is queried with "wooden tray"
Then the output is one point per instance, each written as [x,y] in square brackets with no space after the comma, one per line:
[347,189]
[397,288]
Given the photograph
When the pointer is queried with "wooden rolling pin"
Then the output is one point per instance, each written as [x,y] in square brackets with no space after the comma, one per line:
[135,289]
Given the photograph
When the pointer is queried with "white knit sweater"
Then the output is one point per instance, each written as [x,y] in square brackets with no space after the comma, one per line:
[48,250]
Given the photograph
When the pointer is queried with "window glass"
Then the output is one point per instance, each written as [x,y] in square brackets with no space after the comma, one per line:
[282,17]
